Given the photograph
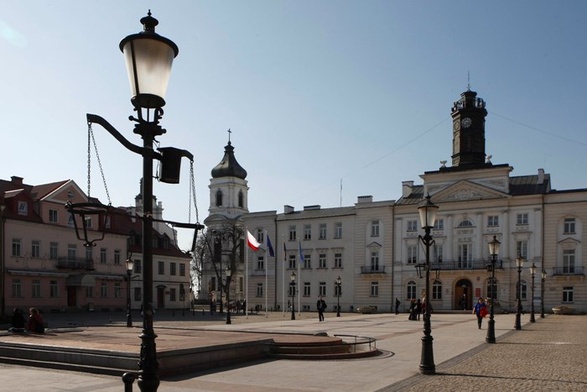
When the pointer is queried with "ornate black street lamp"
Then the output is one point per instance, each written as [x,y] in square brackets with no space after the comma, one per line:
[532,274]
[292,289]
[542,293]
[338,287]
[228,274]
[129,267]
[427,212]
[519,263]
[493,251]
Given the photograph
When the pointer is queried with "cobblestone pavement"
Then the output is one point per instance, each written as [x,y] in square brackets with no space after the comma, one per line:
[548,355]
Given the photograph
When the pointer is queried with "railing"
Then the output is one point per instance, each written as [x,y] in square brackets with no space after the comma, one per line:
[359,343]
[567,271]
[464,264]
[69,263]
[373,270]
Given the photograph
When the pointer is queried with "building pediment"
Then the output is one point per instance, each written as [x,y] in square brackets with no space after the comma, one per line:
[466,190]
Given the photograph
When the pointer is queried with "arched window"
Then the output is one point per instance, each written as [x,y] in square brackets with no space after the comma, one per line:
[241,199]
[218,198]
[411,294]
[465,223]
[437,289]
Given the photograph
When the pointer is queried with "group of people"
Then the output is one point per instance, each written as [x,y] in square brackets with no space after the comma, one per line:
[34,324]
[417,307]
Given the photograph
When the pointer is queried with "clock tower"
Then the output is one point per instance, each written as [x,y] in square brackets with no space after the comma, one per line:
[468,143]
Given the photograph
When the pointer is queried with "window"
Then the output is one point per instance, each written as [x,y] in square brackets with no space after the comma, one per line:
[259,291]
[71,251]
[104,290]
[338,260]
[16,247]
[412,254]
[307,289]
[465,224]
[524,289]
[307,232]
[375,228]
[172,268]
[522,248]
[292,262]
[218,198]
[260,262]
[465,260]
[568,294]
[137,294]
[292,233]
[36,288]
[322,234]
[568,261]
[291,290]
[117,256]
[16,288]
[53,289]
[161,268]
[307,262]
[522,219]
[23,208]
[181,292]
[411,290]
[53,250]
[36,249]
[103,256]
[241,199]
[173,294]
[436,290]
[491,291]
[53,217]
[89,292]
[493,221]
[117,290]
[439,224]
[437,251]
[338,230]
[260,236]
[322,260]
[138,267]
[412,225]
[569,226]
[375,260]
[374,289]
[181,269]
[322,289]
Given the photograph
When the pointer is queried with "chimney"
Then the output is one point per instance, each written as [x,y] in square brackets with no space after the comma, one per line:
[364,199]
[407,188]
[287,209]
[16,180]
[540,176]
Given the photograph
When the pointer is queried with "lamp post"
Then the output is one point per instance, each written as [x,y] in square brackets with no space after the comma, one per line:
[292,289]
[493,251]
[129,267]
[427,211]
[2,262]
[543,278]
[519,263]
[228,273]
[532,274]
[148,57]
[338,286]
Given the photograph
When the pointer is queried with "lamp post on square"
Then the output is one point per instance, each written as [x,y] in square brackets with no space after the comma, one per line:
[493,251]
[427,211]
[129,267]
[227,286]
[292,289]
[519,263]
[532,274]
[338,287]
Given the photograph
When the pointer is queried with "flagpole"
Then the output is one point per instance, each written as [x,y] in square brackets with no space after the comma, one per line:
[266,266]
[283,277]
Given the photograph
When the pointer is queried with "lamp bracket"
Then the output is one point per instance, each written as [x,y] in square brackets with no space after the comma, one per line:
[86,211]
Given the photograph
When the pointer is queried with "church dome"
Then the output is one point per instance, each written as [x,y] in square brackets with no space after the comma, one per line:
[228,166]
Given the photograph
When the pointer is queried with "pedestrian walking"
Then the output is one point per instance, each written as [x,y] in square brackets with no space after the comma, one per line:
[480,311]
[321,306]
[418,309]
[397,304]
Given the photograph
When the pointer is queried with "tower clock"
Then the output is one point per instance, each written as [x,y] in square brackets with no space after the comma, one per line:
[468,115]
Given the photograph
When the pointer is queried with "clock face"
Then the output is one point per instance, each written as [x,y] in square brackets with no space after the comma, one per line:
[466,122]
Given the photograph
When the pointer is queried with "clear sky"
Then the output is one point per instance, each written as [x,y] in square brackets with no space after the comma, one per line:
[315,92]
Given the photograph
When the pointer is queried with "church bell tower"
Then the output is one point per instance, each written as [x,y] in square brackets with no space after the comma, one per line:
[468,143]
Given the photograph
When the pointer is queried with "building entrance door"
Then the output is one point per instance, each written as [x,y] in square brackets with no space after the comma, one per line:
[71,296]
[463,295]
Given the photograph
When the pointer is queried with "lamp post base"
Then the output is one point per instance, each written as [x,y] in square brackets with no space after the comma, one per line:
[490,338]
[427,358]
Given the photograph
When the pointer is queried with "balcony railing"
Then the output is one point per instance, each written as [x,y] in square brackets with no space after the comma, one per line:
[373,269]
[567,271]
[464,264]
[76,264]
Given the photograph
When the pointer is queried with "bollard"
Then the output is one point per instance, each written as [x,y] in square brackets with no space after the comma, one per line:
[128,379]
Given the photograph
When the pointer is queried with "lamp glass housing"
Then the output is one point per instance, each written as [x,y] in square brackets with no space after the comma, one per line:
[338,280]
[129,264]
[533,269]
[544,274]
[494,246]
[520,262]
[292,277]
[427,211]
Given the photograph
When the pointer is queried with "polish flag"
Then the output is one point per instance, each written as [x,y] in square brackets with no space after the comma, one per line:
[252,242]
